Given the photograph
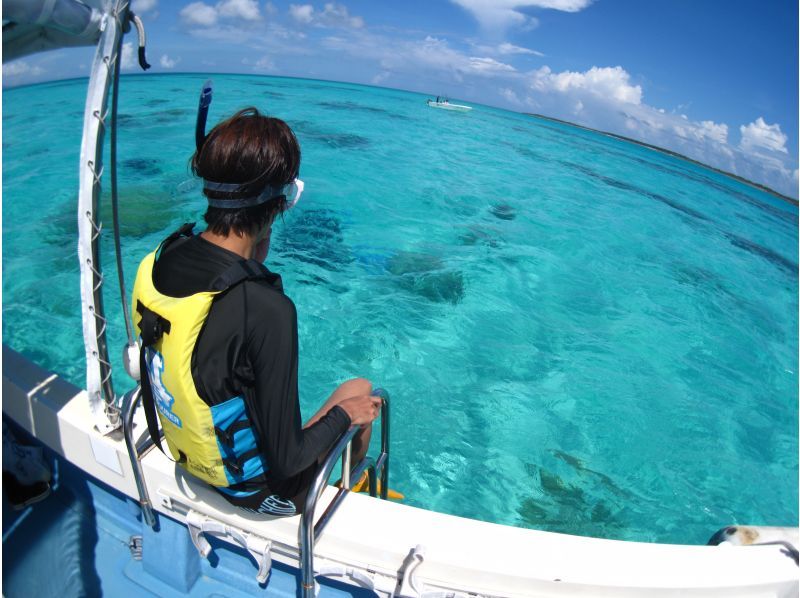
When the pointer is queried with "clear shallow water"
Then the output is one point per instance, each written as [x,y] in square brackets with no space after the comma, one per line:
[579,334]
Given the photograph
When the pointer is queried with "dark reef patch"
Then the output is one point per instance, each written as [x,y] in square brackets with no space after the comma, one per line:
[349,106]
[425,275]
[771,256]
[315,237]
[144,166]
[503,211]
[571,505]
[169,116]
[345,140]
[124,119]
[308,130]
[477,235]
[617,184]
[354,106]
[142,211]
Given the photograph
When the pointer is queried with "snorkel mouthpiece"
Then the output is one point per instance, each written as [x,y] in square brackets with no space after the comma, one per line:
[202,114]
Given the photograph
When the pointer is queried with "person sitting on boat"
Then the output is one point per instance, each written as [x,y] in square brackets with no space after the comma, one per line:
[220,335]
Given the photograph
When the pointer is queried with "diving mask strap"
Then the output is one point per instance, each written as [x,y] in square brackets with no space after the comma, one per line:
[245,202]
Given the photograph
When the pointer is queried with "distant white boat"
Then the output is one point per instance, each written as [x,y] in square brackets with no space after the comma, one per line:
[446,105]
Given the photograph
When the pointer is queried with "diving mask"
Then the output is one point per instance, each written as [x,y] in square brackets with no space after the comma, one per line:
[291,191]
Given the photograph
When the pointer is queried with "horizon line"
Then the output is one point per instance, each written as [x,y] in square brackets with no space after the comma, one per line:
[736,177]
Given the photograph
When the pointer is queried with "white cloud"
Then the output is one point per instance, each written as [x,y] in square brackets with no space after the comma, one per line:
[239,9]
[167,62]
[604,98]
[380,77]
[489,66]
[141,7]
[332,15]
[264,63]
[759,135]
[199,14]
[20,68]
[501,14]
[716,132]
[336,15]
[128,60]
[609,82]
[302,13]
[510,95]
[506,48]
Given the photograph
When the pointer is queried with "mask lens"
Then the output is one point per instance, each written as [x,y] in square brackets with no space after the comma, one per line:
[293,191]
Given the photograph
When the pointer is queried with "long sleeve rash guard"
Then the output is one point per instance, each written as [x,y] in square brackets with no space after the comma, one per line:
[248,346]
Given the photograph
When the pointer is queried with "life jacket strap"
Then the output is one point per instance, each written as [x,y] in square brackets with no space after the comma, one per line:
[226,436]
[239,272]
[186,230]
[152,327]
[236,466]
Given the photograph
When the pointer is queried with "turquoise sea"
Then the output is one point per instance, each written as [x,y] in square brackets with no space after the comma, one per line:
[579,334]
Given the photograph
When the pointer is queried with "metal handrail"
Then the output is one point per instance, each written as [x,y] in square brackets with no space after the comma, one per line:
[129,404]
[309,532]
[99,386]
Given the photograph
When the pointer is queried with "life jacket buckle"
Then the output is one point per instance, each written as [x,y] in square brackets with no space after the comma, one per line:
[224,437]
[235,466]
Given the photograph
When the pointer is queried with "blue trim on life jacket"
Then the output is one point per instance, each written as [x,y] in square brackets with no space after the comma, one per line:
[224,415]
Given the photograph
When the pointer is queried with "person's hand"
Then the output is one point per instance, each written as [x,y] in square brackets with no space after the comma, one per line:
[362,409]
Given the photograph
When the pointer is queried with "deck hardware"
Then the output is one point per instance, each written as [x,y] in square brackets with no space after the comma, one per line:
[383,585]
[409,586]
[166,500]
[135,545]
[259,548]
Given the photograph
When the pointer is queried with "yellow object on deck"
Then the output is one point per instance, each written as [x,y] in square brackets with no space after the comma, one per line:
[362,485]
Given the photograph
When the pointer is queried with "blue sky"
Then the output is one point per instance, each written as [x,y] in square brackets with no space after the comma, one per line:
[717,81]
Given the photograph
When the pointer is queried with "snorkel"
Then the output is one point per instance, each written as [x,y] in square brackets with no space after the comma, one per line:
[202,114]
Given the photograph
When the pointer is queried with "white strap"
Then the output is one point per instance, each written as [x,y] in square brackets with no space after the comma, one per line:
[260,548]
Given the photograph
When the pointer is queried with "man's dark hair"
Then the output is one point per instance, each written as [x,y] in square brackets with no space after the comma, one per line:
[256,151]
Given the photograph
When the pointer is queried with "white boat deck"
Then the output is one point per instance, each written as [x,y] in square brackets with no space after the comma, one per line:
[374,537]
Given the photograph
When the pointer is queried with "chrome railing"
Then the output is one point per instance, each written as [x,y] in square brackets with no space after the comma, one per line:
[130,402]
[309,531]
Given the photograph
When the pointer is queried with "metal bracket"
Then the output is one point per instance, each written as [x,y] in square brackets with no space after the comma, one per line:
[136,546]
[260,548]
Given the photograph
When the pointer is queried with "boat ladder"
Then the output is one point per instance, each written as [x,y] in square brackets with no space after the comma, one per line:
[309,531]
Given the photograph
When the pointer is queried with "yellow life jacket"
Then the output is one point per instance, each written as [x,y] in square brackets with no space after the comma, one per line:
[216,443]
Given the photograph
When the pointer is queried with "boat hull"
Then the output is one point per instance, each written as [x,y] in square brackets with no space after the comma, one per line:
[449,106]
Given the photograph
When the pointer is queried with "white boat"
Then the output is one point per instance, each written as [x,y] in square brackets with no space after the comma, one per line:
[388,548]
[446,105]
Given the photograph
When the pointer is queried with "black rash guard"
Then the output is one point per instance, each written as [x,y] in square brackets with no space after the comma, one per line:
[248,346]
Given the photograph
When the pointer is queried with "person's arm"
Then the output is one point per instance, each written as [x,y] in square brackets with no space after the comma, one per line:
[272,352]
